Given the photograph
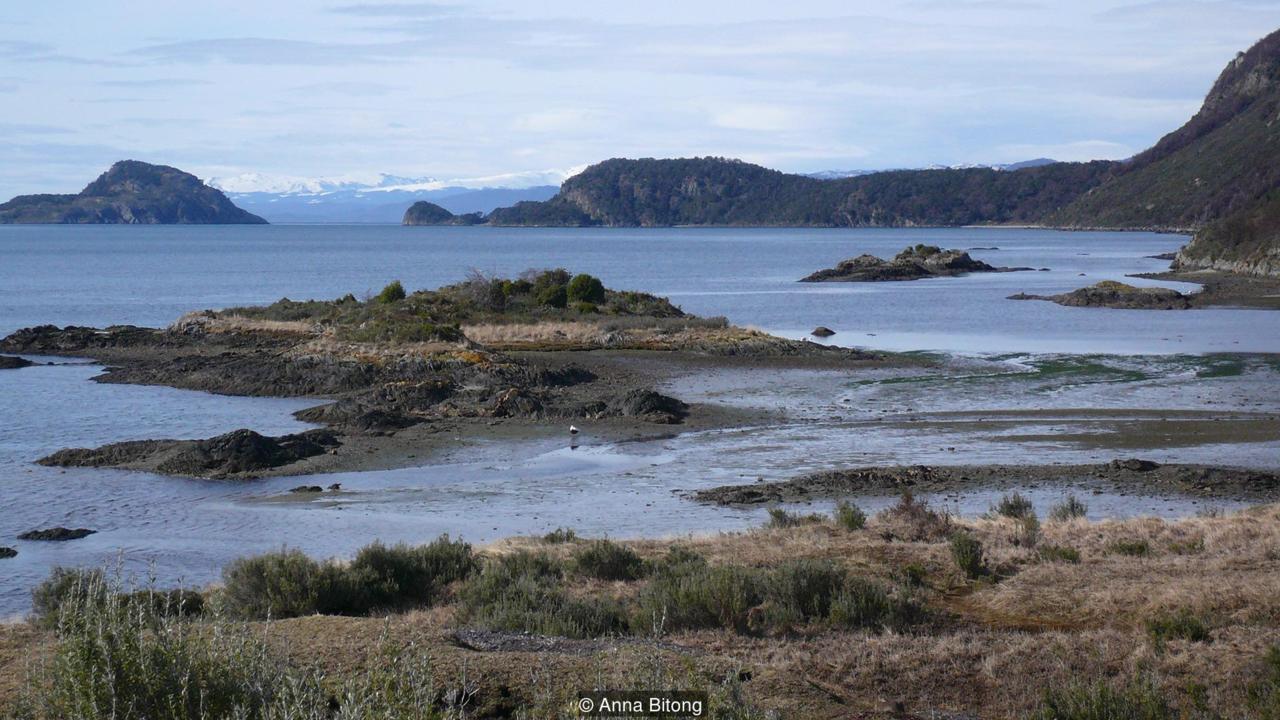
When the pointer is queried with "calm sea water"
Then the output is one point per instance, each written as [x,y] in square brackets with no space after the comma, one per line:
[98,275]
[184,530]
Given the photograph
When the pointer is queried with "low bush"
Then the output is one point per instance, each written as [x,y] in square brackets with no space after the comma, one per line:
[966,551]
[585,288]
[1179,625]
[114,659]
[779,518]
[607,560]
[797,592]
[913,520]
[1132,548]
[1134,700]
[66,586]
[1013,505]
[694,595]
[1028,531]
[849,516]
[1059,553]
[1068,509]
[278,584]
[553,296]
[393,292]
[526,592]
[287,583]
[559,536]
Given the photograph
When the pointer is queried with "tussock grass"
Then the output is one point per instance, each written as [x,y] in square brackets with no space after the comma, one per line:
[849,516]
[607,560]
[780,518]
[1069,509]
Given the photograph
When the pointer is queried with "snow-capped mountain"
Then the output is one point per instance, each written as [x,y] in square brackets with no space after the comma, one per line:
[838,174]
[380,197]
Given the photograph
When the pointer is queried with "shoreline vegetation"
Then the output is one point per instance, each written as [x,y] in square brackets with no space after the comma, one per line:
[909,613]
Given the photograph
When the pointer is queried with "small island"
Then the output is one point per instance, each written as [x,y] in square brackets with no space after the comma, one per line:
[913,263]
[132,193]
[429,213]
[1112,294]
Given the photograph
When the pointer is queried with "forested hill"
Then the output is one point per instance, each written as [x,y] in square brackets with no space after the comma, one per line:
[719,191]
[132,192]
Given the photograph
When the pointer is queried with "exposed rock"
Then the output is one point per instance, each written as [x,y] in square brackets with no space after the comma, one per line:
[1111,294]
[7,552]
[652,406]
[1135,465]
[242,453]
[914,263]
[822,331]
[56,534]
[9,362]
[306,489]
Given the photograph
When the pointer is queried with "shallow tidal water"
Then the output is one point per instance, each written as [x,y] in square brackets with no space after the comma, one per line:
[1027,382]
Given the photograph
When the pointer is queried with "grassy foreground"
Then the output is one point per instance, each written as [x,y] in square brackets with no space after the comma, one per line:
[904,614]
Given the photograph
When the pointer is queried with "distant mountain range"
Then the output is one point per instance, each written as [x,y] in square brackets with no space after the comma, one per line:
[380,198]
[841,174]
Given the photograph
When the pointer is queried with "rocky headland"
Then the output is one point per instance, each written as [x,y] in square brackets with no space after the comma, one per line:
[403,373]
[10,362]
[913,263]
[132,193]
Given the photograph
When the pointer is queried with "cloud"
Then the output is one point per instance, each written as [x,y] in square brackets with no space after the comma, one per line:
[11,129]
[397,10]
[272,51]
[548,121]
[157,83]
[1080,150]
[763,118]
[353,89]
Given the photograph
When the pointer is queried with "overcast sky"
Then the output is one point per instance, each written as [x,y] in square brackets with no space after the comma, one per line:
[314,88]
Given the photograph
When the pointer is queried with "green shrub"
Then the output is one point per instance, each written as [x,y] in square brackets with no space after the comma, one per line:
[1059,553]
[849,516]
[799,591]
[966,551]
[290,584]
[1132,548]
[278,584]
[1028,531]
[66,586]
[1193,546]
[393,292]
[913,520]
[607,560]
[402,575]
[779,518]
[693,595]
[560,536]
[586,308]
[526,592]
[553,296]
[1013,505]
[1135,700]
[1180,625]
[1068,509]
[586,288]
[863,603]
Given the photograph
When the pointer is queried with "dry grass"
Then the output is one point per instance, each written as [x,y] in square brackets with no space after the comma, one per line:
[209,322]
[994,645]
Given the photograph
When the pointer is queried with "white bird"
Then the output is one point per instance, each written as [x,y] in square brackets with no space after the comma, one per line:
[573,430]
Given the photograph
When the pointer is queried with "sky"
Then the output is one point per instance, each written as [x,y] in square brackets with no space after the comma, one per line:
[308,88]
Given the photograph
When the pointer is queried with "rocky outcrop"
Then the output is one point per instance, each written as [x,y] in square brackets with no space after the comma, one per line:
[56,534]
[240,453]
[132,192]
[914,263]
[822,331]
[429,213]
[1111,294]
[9,362]
[7,552]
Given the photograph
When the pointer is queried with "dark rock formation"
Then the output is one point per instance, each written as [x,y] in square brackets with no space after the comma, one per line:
[56,534]
[242,453]
[822,331]
[132,192]
[429,213]
[9,362]
[306,489]
[914,263]
[1111,294]
[7,552]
